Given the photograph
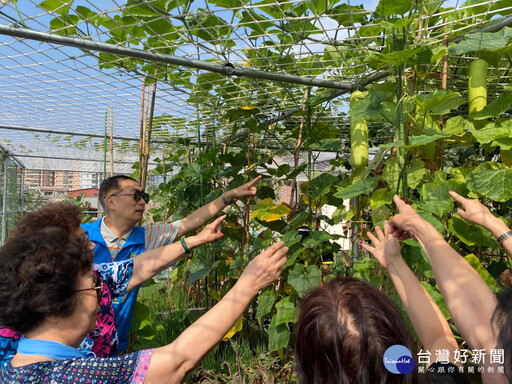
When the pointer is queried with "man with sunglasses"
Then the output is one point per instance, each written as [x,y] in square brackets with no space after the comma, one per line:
[117,236]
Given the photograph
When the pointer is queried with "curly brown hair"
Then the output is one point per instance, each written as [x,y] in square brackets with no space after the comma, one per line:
[38,273]
[62,215]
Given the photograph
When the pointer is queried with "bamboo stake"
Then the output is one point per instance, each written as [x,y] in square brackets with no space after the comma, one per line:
[149,129]
[111,143]
[144,140]
[141,142]
[164,171]
[247,218]
[297,151]
[444,86]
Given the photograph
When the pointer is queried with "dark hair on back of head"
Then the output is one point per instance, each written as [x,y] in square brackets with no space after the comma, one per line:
[108,185]
[38,273]
[62,215]
[502,321]
[343,330]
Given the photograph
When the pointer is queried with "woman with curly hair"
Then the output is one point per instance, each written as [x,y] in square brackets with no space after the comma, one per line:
[118,278]
[48,292]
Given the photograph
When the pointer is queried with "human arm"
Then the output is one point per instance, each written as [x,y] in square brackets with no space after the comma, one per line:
[150,263]
[468,298]
[475,212]
[201,215]
[169,364]
[426,317]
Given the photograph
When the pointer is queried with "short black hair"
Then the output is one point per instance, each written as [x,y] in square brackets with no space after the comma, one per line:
[38,273]
[108,185]
[343,330]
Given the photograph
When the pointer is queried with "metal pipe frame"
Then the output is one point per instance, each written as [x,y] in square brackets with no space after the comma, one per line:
[227,70]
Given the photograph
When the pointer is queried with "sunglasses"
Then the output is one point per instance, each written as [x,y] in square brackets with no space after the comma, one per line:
[137,195]
[98,287]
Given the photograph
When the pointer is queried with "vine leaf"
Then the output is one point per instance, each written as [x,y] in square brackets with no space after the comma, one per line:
[471,234]
[432,220]
[304,280]
[457,126]
[484,41]
[491,179]
[439,102]
[60,7]
[393,7]
[321,184]
[435,197]
[496,108]
[265,302]
[199,268]
[391,173]
[286,312]
[317,238]
[266,210]
[492,131]
[360,187]
[227,3]
[235,328]
[416,173]
[420,55]
[371,105]
[278,335]
[347,15]
[381,197]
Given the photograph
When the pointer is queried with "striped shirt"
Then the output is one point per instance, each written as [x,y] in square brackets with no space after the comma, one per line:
[156,235]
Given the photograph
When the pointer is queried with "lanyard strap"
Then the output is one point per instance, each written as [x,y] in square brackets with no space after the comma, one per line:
[52,349]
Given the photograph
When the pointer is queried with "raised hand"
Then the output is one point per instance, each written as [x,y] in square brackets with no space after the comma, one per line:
[244,191]
[385,246]
[407,222]
[211,232]
[265,268]
[473,211]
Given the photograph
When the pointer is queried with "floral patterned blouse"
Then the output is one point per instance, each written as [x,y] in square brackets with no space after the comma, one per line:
[127,369]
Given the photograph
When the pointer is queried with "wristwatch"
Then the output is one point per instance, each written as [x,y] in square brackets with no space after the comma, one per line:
[226,202]
[502,238]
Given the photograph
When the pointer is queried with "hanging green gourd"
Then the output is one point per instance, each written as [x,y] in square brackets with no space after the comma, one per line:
[477,88]
[358,137]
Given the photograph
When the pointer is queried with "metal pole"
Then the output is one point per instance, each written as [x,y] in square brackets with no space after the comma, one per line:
[68,133]
[22,191]
[4,198]
[111,143]
[77,158]
[105,149]
[354,230]
[228,70]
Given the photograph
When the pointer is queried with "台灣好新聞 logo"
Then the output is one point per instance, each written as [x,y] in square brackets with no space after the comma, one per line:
[398,359]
